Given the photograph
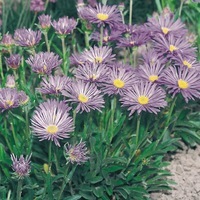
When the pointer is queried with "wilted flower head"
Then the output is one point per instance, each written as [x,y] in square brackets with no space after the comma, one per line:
[22,166]
[64,25]
[120,78]
[7,40]
[10,81]
[54,84]
[9,98]
[101,15]
[91,72]
[182,81]
[76,153]
[37,5]
[27,37]
[23,98]
[144,96]
[86,95]
[13,61]
[44,21]
[51,121]
[44,62]
[166,26]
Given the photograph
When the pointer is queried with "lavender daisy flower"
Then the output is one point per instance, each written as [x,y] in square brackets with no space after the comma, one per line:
[151,73]
[173,46]
[144,96]
[101,15]
[27,37]
[7,40]
[10,82]
[150,57]
[166,26]
[120,78]
[76,59]
[98,55]
[9,98]
[22,166]
[54,84]
[13,61]
[44,62]
[64,25]
[182,81]
[23,98]
[76,153]
[90,72]
[44,21]
[37,5]
[86,95]
[108,36]
[51,121]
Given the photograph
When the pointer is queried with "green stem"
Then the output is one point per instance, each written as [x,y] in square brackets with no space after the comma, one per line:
[1,67]
[137,130]
[135,57]
[130,12]
[27,130]
[14,135]
[101,36]
[46,4]
[49,159]
[6,134]
[87,44]
[64,51]
[113,108]
[168,120]
[159,7]
[63,183]
[19,189]
[181,7]
[34,18]
[46,40]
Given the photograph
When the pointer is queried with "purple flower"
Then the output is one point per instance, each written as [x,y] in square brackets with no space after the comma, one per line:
[76,153]
[120,78]
[86,95]
[91,72]
[44,62]
[22,166]
[37,5]
[44,21]
[7,40]
[51,121]
[101,15]
[64,25]
[166,26]
[76,59]
[9,98]
[10,82]
[182,81]
[144,96]
[27,37]
[152,72]
[173,46]
[98,55]
[54,84]
[13,61]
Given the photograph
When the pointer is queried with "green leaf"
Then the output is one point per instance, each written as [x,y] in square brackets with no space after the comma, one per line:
[74,197]
[96,179]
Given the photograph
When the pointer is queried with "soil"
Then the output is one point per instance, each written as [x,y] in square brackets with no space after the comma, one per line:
[185,168]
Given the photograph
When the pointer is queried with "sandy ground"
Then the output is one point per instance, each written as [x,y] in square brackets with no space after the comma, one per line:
[185,167]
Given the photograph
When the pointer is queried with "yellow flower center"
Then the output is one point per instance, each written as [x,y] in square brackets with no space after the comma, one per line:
[102,16]
[98,59]
[118,83]
[82,98]
[9,103]
[93,77]
[71,155]
[165,30]
[153,78]
[172,48]
[52,129]
[132,42]
[143,100]
[183,84]
[45,67]
[106,38]
[186,63]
